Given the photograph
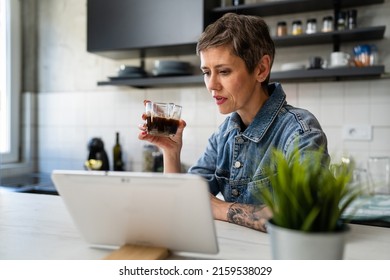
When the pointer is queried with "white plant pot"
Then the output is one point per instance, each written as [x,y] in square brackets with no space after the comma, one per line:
[288,244]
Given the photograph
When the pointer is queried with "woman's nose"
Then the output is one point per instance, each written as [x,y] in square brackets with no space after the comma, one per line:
[212,82]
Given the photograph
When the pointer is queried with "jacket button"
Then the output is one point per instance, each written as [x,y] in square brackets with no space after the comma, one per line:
[237,164]
[235,192]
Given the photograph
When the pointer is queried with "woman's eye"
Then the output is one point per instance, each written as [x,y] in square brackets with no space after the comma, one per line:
[220,72]
[224,72]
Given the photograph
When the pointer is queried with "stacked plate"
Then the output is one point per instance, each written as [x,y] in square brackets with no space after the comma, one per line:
[171,68]
[292,66]
[127,72]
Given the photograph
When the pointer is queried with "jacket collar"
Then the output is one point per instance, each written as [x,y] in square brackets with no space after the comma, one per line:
[264,117]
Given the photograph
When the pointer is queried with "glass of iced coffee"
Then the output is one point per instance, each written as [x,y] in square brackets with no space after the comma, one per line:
[162,119]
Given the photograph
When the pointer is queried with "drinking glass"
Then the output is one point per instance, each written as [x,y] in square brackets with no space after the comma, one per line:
[379,174]
[162,119]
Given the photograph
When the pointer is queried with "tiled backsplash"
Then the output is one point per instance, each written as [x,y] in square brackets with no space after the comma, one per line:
[72,109]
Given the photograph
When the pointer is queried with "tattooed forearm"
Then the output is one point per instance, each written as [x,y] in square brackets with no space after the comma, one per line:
[252,216]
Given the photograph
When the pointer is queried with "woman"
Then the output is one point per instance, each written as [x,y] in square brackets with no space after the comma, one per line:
[236,54]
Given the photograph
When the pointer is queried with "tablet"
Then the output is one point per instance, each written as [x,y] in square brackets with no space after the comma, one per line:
[111,209]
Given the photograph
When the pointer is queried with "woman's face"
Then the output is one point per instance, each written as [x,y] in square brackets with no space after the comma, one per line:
[231,85]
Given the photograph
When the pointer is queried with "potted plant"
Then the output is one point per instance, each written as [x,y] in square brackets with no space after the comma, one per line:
[307,200]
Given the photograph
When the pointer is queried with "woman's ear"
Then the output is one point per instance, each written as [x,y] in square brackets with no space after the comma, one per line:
[263,68]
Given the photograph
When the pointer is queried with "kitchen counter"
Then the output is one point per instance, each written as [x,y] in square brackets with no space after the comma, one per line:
[38,227]
[39,183]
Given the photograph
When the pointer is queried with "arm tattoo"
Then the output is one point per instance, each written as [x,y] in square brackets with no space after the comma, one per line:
[244,215]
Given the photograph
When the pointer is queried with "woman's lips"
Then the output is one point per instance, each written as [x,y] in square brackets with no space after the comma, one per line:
[220,100]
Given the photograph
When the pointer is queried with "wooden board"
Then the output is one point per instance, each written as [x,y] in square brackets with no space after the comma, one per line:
[135,252]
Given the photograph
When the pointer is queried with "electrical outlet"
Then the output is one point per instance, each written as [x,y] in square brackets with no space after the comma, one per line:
[357,132]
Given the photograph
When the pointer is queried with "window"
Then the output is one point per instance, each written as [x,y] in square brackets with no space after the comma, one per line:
[10,77]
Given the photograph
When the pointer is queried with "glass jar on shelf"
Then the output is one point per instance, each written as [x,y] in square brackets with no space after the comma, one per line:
[226,3]
[311,26]
[327,24]
[281,29]
[296,27]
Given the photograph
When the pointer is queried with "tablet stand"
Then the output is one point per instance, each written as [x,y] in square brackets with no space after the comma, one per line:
[136,252]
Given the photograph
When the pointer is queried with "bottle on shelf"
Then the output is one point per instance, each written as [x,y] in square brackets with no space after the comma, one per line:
[117,155]
[341,20]
[352,17]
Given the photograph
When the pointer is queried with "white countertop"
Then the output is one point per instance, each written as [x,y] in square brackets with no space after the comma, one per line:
[34,226]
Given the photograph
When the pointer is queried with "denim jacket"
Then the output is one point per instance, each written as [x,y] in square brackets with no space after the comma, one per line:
[234,160]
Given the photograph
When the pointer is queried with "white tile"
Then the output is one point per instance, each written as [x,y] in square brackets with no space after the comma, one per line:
[332,93]
[309,93]
[291,91]
[380,91]
[309,98]
[381,139]
[355,147]
[357,113]
[335,144]
[357,92]
[331,114]
[380,114]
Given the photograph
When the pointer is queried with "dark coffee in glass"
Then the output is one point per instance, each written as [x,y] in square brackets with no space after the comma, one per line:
[162,119]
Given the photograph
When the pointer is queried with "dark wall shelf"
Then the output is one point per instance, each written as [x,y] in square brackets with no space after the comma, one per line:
[156,81]
[357,34]
[269,8]
[290,7]
[342,73]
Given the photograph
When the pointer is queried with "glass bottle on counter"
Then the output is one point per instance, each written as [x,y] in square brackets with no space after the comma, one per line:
[152,159]
[147,160]
[117,154]
[158,161]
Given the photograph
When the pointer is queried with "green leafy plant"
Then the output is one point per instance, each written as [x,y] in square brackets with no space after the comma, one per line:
[305,195]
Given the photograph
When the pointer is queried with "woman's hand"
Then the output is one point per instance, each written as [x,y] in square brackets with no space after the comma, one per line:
[248,215]
[171,143]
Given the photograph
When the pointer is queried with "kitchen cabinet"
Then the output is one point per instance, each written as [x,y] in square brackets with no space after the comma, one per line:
[271,8]
[132,28]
